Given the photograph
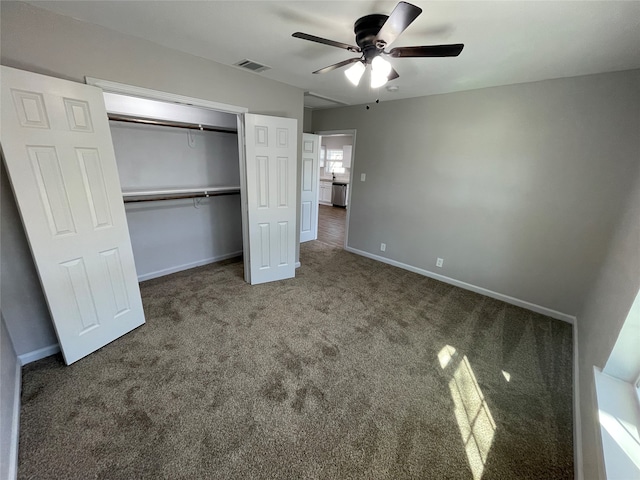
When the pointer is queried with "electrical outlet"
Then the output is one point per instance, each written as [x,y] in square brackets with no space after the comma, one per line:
[363,177]
[439,262]
[383,247]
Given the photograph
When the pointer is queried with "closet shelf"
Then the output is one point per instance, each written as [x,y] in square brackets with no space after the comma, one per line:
[173,194]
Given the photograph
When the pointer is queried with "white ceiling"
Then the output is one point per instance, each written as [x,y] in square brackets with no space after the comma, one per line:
[506,42]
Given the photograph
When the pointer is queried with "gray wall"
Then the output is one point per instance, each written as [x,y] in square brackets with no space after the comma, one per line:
[174,235]
[43,42]
[153,157]
[307,124]
[624,360]
[604,312]
[8,366]
[517,187]
[23,305]
[337,141]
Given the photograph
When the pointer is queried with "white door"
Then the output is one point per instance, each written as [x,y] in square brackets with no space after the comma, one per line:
[59,156]
[271,152]
[310,185]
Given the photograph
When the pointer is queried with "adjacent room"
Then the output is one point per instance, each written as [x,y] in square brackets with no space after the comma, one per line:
[273,239]
[336,153]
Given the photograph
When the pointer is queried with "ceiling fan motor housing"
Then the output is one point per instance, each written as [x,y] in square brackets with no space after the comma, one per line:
[366,29]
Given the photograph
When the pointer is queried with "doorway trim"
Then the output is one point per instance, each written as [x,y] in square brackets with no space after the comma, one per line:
[352,132]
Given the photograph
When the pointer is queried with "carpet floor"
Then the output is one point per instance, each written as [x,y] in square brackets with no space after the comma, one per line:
[352,370]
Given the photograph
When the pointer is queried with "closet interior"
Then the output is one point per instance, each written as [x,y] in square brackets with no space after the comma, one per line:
[179,171]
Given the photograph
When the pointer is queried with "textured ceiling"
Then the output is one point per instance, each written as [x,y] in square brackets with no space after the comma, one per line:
[506,42]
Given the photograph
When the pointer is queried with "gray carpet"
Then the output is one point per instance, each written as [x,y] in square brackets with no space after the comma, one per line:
[354,369]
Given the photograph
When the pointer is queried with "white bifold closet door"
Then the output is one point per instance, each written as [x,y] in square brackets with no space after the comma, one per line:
[59,155]
[271,152]
[310,185]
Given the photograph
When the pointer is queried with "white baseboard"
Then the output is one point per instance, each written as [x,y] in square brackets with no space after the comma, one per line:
[577,420]
[298,264]
[467,286]
[187,266]
[44,352]
[15,425]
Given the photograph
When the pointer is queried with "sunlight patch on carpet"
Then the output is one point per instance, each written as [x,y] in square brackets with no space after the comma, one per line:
[474,419]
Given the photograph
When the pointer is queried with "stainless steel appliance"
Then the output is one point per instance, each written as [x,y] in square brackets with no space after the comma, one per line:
[339,194]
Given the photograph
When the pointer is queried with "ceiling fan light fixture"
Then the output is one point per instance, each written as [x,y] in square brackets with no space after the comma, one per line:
[380,70]
[354,73]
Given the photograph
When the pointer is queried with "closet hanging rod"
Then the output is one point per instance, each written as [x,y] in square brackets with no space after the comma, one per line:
[180,197]
[181,191]
[164,123]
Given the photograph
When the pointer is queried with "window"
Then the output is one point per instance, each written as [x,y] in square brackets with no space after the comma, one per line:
[333,163]
[617,400]
[334,155]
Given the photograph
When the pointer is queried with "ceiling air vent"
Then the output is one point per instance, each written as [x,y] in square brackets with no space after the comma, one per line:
[251,65]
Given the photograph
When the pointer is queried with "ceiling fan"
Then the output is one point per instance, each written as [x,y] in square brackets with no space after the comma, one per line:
[375,33]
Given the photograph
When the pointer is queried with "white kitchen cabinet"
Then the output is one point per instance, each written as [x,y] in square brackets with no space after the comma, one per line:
[325,192]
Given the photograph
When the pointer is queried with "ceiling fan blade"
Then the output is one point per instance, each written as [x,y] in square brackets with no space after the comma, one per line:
[337,65]
[392,75]
[398,21]
[427,51]
[324,41]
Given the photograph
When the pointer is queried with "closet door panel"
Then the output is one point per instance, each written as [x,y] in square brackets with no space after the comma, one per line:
[271,150]
[59,156]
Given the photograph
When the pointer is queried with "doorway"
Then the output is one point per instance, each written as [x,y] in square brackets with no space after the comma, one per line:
[337,155]
[264,144]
